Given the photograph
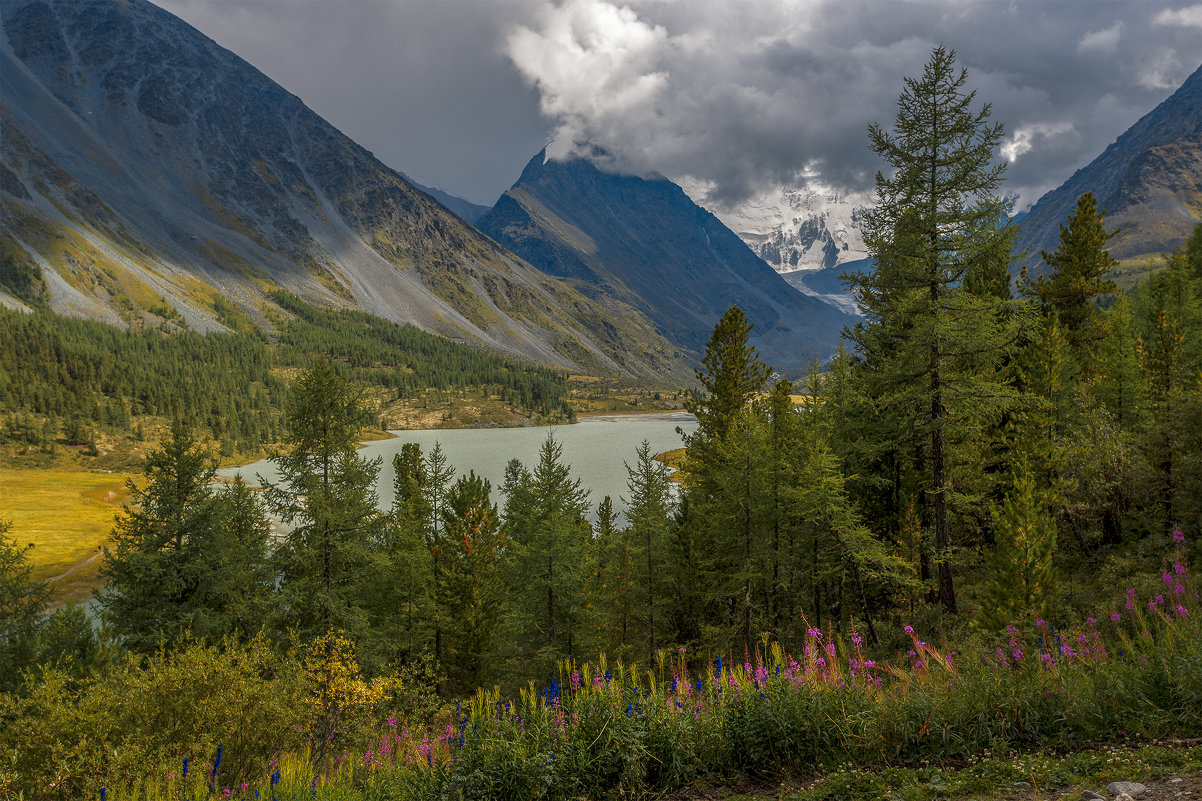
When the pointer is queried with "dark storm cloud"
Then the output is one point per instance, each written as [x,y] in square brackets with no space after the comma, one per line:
[736,95]
[749,94]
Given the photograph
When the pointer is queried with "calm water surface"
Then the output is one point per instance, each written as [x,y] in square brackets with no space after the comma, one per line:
[597,448]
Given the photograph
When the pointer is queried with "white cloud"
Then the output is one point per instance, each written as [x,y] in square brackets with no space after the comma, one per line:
[1161,70]
[591,61]
[1103,41]
[1188,17]
[1025,137]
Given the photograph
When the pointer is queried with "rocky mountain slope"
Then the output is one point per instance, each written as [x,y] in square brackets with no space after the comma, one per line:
[149,176]
[643,240]
[1149,181]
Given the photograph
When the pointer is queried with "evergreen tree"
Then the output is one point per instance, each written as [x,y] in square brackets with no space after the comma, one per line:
[547,561]
[164,540]
[1022,578]
[470,587]
[931,347]
[234,583]
[326,493]
[616,589]
[1079,267]
[22,604]
[649,510]
[437,474]
[402,603]
[732,377]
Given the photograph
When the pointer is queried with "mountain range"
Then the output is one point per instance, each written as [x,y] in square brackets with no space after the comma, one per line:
[149,176]
[644,241]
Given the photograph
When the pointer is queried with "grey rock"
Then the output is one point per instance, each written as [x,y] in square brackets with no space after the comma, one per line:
[1123,797]
[1022,785]
[1090,795]
[1133,789]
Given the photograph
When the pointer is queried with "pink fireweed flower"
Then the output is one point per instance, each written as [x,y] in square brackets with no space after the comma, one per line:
[1130,592]
[1166,578]
[1178,589]
[1115,617]
[1130,605]
[1179,568]
[909,630]
[1178,536]
[1182,611]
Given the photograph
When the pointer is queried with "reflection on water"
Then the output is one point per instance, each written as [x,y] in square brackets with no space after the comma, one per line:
[597,448]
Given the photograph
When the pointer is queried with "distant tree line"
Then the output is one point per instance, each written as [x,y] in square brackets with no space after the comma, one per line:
[69,378]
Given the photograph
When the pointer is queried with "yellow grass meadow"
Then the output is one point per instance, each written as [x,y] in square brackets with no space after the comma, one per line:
[67,516]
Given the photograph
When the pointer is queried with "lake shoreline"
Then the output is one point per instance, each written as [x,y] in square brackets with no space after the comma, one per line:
[597,448]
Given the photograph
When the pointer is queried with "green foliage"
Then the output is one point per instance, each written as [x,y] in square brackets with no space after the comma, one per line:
[470,591]
[1079,267]
[87,375]
[1022,578]
[134,718]
[733,374]
[22,604]
[185,558]
[20,274]
[326,493]
[546,562]
[648,510]
[933,340]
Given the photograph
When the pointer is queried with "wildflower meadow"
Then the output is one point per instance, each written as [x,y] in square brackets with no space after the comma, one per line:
[609,729]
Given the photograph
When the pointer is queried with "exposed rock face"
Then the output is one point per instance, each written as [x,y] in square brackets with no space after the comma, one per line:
[146,172]
[644,241]
[1149,182]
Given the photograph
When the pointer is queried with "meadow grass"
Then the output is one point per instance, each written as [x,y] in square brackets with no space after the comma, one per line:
[67,515]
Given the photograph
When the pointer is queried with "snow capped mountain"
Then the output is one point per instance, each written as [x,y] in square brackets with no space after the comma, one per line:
[807,235]
[796,229]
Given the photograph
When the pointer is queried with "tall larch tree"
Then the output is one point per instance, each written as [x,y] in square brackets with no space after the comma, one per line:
[931,344]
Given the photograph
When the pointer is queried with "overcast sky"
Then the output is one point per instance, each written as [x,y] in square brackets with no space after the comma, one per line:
[737,95]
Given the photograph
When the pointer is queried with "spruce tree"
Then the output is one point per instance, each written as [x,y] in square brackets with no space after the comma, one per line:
[1079,267]
[732,377]
[162,543]
[649,510]
[931,346]
[327,495]
[470,588]
[547,561]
